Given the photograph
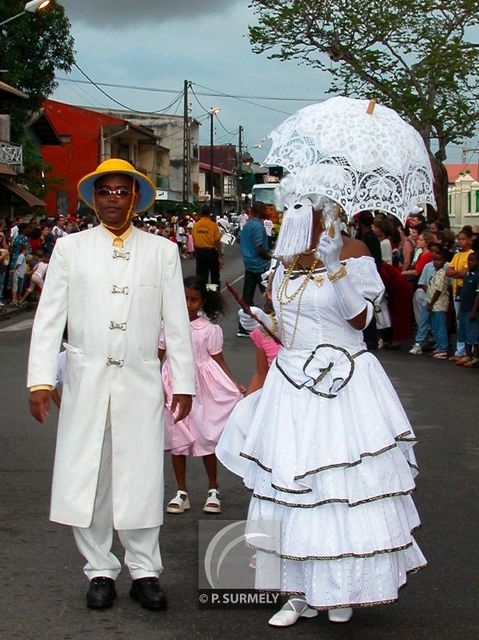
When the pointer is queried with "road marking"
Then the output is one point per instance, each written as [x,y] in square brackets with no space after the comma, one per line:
[23,325]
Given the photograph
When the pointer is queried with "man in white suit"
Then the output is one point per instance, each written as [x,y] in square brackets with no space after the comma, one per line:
[114,286]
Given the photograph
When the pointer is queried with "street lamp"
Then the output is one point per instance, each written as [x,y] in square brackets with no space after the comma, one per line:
[31,7]
[213,112]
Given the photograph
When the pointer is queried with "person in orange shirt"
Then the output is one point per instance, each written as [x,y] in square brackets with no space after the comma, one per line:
[209,255]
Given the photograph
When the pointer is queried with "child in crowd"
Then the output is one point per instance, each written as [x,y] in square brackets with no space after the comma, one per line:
[37,277]
[421,313]
[190,245]
[437,304]
[468,323]
[4,260]
[457,270]
[19,271]
[217,392]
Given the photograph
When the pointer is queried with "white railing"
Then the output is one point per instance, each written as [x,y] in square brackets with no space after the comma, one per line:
[11,154]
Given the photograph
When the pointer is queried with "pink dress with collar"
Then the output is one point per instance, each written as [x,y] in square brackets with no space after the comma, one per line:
[216,395]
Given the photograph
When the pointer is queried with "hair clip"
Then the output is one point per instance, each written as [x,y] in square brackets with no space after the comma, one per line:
[211,287]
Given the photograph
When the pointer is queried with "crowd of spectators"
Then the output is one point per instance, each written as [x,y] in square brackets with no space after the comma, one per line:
[30,243]
[431,280]
[25,248]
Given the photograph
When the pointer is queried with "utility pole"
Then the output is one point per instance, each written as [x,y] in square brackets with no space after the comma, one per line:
[186,146]
[211,161]
[465,151]
[239,167]
[213,112]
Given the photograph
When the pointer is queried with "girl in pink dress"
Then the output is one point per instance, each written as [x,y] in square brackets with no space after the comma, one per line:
[190,245]
[266,347]
[217,392]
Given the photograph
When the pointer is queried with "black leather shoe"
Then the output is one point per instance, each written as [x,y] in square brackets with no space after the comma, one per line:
[101,593]
[149,594]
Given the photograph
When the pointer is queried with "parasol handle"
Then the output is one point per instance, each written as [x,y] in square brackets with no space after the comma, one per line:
[247,309]
[371,105]
[337,215]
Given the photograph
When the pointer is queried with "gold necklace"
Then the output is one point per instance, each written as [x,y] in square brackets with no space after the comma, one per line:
[283,298]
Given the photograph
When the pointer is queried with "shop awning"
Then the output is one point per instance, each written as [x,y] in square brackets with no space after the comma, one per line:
[6,171]
[22,193]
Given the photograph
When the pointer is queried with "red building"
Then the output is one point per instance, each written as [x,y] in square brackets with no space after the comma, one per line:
[454,170]
[88,137]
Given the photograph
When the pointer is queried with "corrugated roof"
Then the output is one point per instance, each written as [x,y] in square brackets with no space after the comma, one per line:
[206,166]
[22,193]
[455,169]
[6,88]
[6,171]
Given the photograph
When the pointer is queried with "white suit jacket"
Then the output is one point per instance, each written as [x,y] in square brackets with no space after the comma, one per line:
[114,302]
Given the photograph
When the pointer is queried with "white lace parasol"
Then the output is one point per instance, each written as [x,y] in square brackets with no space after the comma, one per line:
[360,160]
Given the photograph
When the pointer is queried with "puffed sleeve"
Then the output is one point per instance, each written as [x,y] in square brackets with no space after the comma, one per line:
[365,277]
[215,340]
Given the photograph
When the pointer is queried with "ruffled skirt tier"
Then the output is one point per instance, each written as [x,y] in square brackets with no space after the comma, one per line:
[337,475]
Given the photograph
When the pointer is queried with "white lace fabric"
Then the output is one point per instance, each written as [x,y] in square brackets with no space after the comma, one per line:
[360,160]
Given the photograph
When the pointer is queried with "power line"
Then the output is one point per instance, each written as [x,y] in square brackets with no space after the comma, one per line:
[124,106]
[233,133]
[207,111]
[208,93]
[101,90]
[228,95]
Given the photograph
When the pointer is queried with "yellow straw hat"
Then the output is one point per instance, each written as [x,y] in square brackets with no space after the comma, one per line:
[147,189]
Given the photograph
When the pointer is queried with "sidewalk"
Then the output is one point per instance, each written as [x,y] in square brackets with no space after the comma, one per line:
[9,310]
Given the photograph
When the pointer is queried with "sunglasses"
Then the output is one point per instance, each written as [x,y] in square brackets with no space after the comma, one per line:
[106,192]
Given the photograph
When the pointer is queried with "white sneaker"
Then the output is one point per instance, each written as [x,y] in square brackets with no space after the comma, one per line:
[416,349]
[340,615]
[289,613]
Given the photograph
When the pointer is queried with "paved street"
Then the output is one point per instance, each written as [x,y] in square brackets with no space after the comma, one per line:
[43,586]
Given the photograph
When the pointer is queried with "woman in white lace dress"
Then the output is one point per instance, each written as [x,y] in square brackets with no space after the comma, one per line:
[328,449]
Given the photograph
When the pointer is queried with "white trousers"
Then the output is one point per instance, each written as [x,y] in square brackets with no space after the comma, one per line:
[418,302]
[142,548]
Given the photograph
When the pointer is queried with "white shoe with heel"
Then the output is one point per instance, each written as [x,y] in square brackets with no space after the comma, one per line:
[340,615]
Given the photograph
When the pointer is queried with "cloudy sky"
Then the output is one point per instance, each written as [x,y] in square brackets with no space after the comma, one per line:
[157,44]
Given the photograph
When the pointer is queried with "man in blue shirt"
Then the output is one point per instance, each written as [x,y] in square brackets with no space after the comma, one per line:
[256,258]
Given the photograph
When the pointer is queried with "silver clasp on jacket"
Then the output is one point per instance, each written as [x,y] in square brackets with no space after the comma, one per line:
[118,325]
[112,362]
[116,289]
[121,254]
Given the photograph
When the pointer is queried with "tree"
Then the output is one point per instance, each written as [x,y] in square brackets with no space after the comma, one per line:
[32,48]
[415,56]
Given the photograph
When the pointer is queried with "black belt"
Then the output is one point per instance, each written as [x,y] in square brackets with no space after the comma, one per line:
[324,371]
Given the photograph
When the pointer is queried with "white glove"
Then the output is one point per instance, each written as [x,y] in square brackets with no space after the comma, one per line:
[329,249]
[249,324]
[351,302]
